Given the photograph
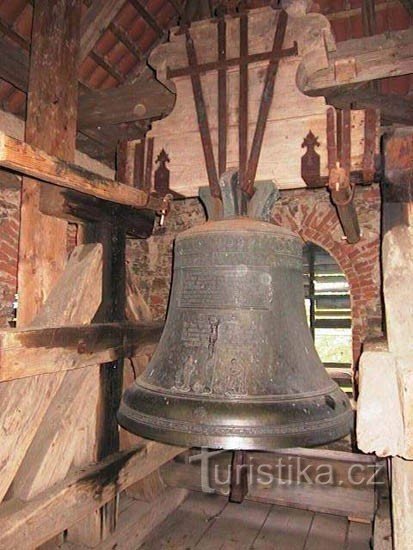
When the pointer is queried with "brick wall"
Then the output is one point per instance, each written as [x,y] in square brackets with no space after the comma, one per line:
[9,242]
[9,234]
[308,213]
[312,216]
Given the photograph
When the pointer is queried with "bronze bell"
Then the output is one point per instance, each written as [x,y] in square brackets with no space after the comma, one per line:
[236,366]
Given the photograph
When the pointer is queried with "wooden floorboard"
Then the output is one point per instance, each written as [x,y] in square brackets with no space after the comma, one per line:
[236,528]
[327,532]
[209,522]
[187,525]
[358,536]
[284,528]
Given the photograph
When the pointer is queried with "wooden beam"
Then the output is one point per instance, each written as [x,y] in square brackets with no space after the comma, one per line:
[394,108]
[284,486]
[147,17]
[126,40]
[140,519]
[49,456]
[348,12]
[368,16]
[14,65]
[80,208]
[52,98]
[95,22]
[359,60]
[178,7]
[102,427]
[145,98]
[103,61]
[51,125]
[86,490]
[13,35]
[408,5]
[30,161]
[30,352]
[76,299]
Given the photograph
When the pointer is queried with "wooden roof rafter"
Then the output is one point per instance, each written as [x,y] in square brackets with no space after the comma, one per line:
[147,17]
[122,35]
[408,5]
[95,22]
[8,30]
[103,61]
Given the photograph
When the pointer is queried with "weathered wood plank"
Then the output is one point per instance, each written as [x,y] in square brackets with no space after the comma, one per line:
[140,100]
[359,60]
[358,536]
[283,483]
[141,518]
[14,65]
[237,526]
[77,207]
[185,528]
[102,426]
[327,532]
[145,98]
[51,453]
[85,490]
[284,528]
[31,161]
[30,352]
[53,98]
[25,402]
[394,108]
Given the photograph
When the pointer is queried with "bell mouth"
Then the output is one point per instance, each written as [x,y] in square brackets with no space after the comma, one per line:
[265,424]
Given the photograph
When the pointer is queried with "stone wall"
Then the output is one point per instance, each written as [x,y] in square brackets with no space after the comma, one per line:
[308,213]
[151,259]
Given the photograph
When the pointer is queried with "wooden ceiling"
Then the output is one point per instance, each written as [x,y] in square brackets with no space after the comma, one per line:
[118,35]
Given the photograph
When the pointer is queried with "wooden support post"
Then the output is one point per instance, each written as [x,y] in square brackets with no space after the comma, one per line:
[386,376]
[104,438]
[239,477]
[51,125]
[339,184]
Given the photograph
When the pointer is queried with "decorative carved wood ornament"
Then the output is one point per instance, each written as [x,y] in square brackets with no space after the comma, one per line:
[235,78]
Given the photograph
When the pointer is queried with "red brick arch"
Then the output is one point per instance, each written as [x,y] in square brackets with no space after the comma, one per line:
[311,215]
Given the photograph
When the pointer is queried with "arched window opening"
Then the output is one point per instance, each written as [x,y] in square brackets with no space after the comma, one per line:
[328,308]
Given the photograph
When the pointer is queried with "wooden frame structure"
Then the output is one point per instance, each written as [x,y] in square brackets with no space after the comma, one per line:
[56,356]
[61,368]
